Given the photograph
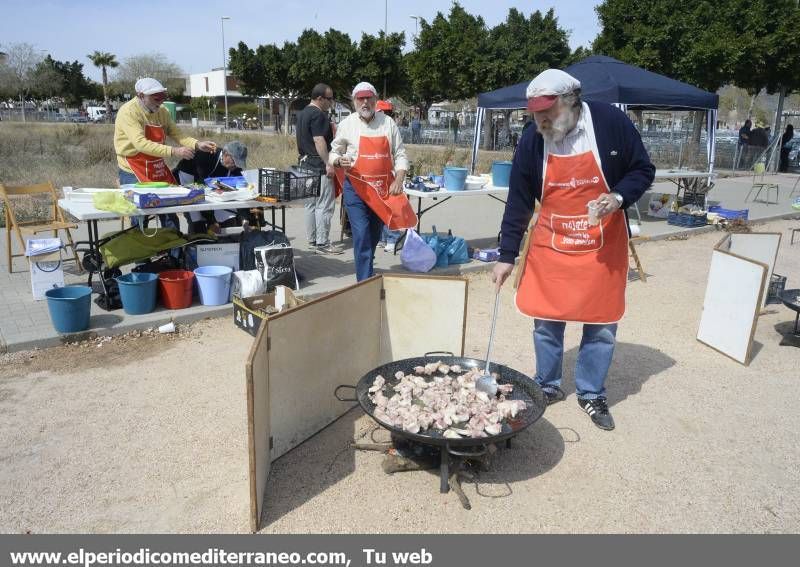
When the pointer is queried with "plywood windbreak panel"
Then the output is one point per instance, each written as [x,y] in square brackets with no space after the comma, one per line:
[759,246]
[423,314]
[731,304]
[258,433]
[314,348]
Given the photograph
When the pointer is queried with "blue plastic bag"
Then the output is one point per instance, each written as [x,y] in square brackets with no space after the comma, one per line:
[439,245]
[457,252]
[449,249]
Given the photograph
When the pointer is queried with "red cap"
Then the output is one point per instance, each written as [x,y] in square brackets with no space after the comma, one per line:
[384,105]
[543,102]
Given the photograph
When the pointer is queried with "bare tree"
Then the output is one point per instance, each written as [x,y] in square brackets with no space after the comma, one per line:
[155,65]
[18,73]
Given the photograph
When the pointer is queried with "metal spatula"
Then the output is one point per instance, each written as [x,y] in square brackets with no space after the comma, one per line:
[487,383]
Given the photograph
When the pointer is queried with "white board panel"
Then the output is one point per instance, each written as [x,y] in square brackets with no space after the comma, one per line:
[731,304]
[423,314]
[759,246]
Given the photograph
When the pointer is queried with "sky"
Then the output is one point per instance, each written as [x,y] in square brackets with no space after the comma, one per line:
[189,32]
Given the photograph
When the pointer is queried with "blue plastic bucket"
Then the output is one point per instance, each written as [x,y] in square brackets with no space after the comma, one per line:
[214,283]
[138,292]
[454,178]
[501,173]
[70,307]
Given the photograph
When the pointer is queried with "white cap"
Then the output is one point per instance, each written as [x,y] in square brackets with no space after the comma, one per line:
[547,86]
[149,86]
[364,89]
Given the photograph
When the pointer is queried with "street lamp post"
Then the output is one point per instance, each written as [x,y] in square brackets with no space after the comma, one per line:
[224,69]
[416,21]
[385,37]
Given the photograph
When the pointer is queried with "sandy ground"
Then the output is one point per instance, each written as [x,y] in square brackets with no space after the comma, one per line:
[148,433]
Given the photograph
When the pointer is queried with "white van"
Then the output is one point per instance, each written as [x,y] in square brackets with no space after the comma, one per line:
[96,113]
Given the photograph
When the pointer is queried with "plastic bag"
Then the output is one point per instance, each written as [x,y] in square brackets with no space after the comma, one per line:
[112,201]
[457,252]
[417,255]
[439,246]
[449,249]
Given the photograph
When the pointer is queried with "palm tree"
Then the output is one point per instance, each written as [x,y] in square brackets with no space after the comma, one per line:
[104,60]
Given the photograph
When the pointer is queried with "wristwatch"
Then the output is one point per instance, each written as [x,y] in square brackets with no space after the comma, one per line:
[619,198]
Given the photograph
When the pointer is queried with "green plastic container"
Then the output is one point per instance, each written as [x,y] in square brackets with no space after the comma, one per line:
[170,106]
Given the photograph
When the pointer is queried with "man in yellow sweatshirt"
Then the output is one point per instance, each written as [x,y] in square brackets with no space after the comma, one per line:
[140,132]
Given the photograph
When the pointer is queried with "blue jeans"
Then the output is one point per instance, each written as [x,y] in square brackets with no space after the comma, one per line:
[594,356]
[366,228]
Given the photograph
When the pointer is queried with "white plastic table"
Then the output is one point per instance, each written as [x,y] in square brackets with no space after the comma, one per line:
[443,195]
[687,180]
[86,211]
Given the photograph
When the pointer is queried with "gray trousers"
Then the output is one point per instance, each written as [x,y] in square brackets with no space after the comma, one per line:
[319,213]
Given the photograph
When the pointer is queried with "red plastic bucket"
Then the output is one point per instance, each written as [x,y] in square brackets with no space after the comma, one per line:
[175,288]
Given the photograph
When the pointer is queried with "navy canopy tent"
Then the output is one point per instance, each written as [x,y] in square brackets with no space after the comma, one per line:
[609,80]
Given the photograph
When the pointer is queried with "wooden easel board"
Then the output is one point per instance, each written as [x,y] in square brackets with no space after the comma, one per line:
[759,246]
[302,354]
[733,298]
[437,303]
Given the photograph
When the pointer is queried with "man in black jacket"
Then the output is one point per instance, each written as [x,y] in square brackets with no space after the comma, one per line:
[583,162]
[229,161]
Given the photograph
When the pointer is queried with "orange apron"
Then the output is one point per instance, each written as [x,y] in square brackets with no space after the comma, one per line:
[151,168]
[371,176]
[573,271]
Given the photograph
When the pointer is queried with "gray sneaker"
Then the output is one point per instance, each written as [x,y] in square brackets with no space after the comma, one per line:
[328,249]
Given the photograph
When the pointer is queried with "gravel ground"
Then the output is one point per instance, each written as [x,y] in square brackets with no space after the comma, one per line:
[147,433]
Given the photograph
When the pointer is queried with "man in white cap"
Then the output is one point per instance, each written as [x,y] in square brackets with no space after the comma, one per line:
[141,129]
[371,164]
[585,163]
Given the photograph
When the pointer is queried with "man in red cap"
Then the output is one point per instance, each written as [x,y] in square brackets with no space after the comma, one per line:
[371,162]
[583,162]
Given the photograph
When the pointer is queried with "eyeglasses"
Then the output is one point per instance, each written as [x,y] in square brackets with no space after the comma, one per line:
[328,98]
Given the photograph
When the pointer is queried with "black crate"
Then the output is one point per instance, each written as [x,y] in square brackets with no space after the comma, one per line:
[776,286]
[698,199]
[288,185]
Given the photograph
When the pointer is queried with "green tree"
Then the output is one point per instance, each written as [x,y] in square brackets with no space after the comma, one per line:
[767,52]
[104,61]
[580,53]
[545,46]
[450,58]
[380,61]
[265,71]
[62,79]
[326,58]
[751,43]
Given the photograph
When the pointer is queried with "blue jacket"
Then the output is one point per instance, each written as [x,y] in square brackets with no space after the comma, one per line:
[624,161]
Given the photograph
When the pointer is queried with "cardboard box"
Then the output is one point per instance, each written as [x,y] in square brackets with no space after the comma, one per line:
[220,254]
[46,273]
[249,312]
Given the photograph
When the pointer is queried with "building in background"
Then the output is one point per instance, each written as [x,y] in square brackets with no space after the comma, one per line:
[211,85]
